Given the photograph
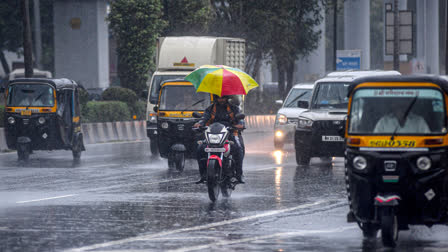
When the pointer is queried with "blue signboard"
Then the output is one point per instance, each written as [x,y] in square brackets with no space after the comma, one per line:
[348,59]
[346,63]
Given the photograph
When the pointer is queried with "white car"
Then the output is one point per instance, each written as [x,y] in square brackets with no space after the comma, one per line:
[287,115]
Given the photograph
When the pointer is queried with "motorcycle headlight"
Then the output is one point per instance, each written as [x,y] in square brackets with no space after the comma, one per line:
[164,125]
[424,163]
[11,120]
[214,138]
[305,123]
[360,163]
[282,119]
[41,120]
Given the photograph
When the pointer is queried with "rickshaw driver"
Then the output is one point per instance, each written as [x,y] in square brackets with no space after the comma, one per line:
[393,121]
[222,111]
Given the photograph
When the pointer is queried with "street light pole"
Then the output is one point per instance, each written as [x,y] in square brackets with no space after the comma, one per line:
[37,34]
[27,44]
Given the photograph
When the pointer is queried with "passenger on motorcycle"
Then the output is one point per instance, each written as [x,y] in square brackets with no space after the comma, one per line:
[223,112]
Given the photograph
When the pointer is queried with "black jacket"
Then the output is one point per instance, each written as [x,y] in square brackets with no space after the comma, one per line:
[222,114]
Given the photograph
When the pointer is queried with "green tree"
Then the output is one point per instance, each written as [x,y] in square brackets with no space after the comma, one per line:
[295,24]
[11,38]
[136,24]
[186,17]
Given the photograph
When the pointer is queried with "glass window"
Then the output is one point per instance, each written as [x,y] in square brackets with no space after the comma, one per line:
[155,86]
[296,95]
[28,95]
[331,95]
[183,98]
[400,111]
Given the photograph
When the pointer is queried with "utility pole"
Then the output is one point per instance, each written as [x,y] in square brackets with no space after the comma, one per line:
[37,33]
[335,32]
[396,37]
[446,38]
[27,43]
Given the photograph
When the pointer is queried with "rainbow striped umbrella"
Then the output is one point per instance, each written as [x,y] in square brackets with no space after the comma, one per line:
[221,80]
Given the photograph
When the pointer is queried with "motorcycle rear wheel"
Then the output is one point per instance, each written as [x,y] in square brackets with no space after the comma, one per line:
[212,180]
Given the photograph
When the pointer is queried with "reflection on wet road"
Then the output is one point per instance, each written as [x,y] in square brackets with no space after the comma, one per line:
[120,198]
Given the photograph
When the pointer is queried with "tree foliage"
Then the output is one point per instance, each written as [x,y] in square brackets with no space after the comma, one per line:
[284,30]
[11,38]
[186,17]
[136,24]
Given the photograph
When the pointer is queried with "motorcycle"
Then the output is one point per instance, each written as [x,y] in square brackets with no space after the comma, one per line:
[220,168]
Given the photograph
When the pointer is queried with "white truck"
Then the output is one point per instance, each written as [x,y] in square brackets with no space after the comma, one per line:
[176,57]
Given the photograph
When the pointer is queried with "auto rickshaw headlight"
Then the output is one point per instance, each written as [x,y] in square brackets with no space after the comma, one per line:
[153,119]
[11,120]
[360,162]
[41,120]
[165,125]
[424,163]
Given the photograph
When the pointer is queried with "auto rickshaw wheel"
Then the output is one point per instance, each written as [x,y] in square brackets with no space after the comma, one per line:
[179,160]
[369,230]
[212,181]
[154,147]
[171,163]
[389,228]
[302,158]
[23,154]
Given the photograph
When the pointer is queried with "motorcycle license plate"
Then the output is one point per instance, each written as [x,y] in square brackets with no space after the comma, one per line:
[215,150]
[332,139]
[25,112]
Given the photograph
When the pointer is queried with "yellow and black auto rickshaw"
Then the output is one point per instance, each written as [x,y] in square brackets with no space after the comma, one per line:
[43,114]
[177,102]
[397,154]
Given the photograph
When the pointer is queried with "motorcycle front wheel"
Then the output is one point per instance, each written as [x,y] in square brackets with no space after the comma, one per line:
[212,180]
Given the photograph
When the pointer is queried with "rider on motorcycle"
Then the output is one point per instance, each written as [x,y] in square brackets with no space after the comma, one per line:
[223,112]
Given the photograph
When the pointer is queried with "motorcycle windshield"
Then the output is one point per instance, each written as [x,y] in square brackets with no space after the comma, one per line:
[26,95]
[183,98]
[397,111]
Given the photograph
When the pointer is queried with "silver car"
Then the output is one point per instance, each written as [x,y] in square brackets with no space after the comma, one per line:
[287,115]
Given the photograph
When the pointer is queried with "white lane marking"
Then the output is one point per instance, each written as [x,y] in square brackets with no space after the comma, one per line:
[262,237]
[166,180]
[211,225]
[103,165]
[57,197]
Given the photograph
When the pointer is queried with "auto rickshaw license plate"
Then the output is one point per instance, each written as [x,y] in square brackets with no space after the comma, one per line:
[25,112]
[392,143]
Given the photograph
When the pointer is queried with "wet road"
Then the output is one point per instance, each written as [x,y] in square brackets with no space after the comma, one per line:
[119,198]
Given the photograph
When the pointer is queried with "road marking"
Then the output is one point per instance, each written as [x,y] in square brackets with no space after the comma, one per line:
[211,225]
[262,237]
[57,197]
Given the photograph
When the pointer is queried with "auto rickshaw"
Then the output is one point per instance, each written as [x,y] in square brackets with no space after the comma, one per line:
[396,154]
[177,102]
[43,114]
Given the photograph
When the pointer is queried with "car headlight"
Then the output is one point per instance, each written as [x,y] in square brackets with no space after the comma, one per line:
[278,133]
[305,123]
[424,163]
[164,125]
[41,120]
[282,119]
[360,163]
[11,120]
[214,138]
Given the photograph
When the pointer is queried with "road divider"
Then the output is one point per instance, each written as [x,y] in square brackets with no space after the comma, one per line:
[136,130]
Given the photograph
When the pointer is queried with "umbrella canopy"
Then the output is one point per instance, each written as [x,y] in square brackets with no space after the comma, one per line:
[221,80]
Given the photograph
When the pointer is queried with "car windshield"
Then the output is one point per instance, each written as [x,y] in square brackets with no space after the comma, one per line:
[26,95]
[297,94]
[397,111]
[331,95]
[183,98]
[155,86]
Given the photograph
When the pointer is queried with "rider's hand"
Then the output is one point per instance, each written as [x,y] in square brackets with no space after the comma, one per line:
[196,125]
[239,126]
